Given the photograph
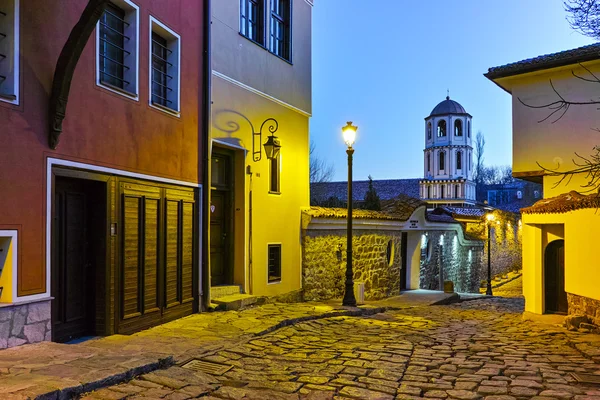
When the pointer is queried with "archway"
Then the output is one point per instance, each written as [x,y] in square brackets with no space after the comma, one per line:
[555,297]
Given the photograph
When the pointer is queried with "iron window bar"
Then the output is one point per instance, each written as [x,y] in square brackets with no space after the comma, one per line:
[162,73]
[3,56]
[2,77]
[111,60]
[114,45]
[114,30]
[3,13]
[116,77]
[160,44]
[2,34]
[117,17]
[162,59]
[160,97]
[165,86]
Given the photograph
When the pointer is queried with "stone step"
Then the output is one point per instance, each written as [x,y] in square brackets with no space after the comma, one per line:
[224,290]
[235,301]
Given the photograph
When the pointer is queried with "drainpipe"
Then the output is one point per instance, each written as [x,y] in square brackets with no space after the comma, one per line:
[206,124]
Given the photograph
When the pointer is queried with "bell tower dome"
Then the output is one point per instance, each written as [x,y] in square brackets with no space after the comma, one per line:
[448,156]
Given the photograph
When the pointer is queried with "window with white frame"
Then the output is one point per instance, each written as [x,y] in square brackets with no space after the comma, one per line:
[118,48]
[165,58]
[9,51]
[252,20]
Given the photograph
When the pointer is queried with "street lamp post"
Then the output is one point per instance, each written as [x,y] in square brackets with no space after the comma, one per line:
[490,218]
[349,132]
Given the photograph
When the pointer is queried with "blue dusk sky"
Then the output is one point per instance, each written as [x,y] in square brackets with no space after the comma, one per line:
[385,64]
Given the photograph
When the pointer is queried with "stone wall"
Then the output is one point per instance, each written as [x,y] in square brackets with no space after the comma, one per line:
[506,239]
[324,263]
[584,306]
[442,250]
[25,323]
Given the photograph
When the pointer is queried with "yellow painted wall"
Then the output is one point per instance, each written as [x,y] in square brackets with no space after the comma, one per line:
[582,268]
[276,217]
[546,142]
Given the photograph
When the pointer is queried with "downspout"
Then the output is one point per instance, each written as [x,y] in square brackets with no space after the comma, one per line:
[206,111]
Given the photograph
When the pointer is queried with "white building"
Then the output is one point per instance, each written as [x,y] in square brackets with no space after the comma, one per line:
[448,157]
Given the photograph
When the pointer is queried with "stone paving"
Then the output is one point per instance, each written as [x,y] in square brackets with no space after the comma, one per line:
[513,288]
[480,349]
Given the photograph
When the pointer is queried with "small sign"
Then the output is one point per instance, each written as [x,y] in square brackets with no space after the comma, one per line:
[414,224]
[212,208]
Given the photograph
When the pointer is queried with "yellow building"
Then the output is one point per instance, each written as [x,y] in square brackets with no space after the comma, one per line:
[561,270]
[261,87]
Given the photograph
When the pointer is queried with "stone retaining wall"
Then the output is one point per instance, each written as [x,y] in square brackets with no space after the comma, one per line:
[584,306]
[458,263]
[324,263]
[25,323]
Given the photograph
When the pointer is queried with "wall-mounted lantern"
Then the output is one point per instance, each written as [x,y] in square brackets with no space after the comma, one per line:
[272,145]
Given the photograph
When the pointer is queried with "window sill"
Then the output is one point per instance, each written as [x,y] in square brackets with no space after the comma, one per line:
[118,90]
[165,109]
[274,282]
[275,193]
[9,98]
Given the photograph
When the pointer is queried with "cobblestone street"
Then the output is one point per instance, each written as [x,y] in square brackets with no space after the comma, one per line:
[471,350]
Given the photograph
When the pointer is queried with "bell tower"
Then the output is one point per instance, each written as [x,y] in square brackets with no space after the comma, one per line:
[448,157]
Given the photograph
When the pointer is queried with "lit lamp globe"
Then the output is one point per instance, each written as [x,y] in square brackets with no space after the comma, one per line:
[490,217]
[349,132]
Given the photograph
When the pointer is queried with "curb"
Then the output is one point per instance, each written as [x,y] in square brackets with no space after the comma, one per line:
[75,391]
[163,363]
[453,298]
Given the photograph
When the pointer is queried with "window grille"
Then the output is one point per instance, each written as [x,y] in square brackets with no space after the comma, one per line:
[274,251]
[160,67]
[252,20]
[112,47]
[280,28]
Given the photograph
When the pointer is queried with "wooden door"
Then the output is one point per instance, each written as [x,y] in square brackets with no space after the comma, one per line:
[404,255]
[157,256]
[555,298]
[221,221]
[78,246]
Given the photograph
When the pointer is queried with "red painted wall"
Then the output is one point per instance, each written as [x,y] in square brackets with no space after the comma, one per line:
[101,127]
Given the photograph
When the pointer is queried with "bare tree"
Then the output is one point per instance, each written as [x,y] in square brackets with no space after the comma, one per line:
[584,16]
[320,170]
[479,150]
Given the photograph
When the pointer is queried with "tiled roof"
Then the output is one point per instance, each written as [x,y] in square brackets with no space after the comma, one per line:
[471,212]
[564,203]
[398,209]
[568,57]
[386,189]
[440,218]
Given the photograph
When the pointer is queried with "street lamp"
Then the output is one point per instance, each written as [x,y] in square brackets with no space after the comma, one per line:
[490,218]
[349,133]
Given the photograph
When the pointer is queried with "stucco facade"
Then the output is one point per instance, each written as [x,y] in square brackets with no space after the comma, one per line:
[108,137]
[559,259]
[251,85]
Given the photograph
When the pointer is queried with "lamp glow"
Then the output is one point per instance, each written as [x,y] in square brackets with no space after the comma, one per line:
[349,132]
[490,217]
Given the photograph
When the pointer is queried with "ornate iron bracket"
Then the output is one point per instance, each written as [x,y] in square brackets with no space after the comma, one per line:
[272,125]
[65,66]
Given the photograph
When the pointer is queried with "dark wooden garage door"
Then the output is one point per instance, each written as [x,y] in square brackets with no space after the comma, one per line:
[156,274]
